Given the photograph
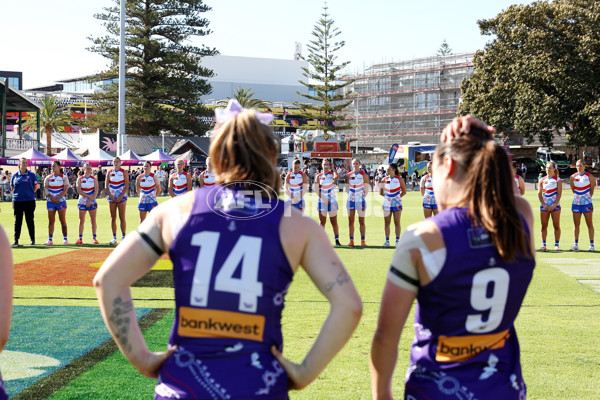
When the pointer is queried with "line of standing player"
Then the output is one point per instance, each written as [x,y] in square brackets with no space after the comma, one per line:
[147,187]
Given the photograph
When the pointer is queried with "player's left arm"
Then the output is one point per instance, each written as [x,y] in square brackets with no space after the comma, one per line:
[367,183]
[521,186]
[592,184]
[559,189]
[131,260]
[64,191]
[402,187]
[189,182]
[304,185]
[125,188]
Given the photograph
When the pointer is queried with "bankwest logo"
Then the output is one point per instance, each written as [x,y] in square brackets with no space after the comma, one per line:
[461,348]
[194,322]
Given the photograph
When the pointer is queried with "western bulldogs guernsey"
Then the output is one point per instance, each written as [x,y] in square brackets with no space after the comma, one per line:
[428,196]
[327,186]
[231,275]
[550,191]
[87,186]
[582,199]
[56,184]
[147,189]
[392,200]
[296,183]
[179,183]
[209,178]
[356,191]
[465,345]
[116,184]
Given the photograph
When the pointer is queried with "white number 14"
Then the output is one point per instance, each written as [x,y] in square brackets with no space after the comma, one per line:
[246,251]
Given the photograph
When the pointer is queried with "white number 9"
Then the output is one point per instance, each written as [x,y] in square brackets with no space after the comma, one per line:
[495,303]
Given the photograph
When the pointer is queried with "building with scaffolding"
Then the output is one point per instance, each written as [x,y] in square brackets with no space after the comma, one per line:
[407,101]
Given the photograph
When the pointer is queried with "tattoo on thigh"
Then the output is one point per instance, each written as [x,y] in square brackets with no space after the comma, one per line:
[120,321]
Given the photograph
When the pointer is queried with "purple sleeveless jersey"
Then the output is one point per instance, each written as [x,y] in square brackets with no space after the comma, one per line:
[3,395]
[231,275]
[465,344]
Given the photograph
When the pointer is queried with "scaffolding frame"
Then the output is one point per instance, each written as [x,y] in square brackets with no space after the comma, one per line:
[411,100]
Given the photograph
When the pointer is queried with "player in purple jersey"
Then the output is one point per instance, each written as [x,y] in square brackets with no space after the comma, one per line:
[6,295]
[469,268]
[235,248]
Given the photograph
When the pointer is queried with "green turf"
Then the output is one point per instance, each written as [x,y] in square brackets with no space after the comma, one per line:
[557,326]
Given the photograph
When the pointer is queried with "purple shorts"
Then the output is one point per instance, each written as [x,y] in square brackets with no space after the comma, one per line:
[247,373]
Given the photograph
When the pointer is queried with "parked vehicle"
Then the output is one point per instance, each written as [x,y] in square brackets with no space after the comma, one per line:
[545,154]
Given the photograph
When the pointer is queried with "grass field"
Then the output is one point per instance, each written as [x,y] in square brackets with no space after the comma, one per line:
[558,325]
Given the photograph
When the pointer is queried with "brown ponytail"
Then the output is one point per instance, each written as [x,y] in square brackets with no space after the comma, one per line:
[489,190]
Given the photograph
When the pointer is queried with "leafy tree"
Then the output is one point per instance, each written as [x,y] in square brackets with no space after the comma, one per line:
[444,49]
[246,99]
[325,76]
[165,79]
[52,118]
[541,72]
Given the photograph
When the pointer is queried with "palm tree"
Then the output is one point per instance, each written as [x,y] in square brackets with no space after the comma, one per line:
[246,99]
[52,118]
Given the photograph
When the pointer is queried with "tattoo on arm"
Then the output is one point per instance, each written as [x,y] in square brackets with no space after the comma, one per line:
[120,321]
[341,279]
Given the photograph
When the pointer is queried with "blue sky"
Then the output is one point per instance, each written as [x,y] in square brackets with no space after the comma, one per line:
[54,32]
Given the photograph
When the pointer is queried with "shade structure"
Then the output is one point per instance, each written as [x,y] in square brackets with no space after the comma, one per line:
[69,159]
[98,157]
[158,157]
[130,158]
[193,159]
[35,157]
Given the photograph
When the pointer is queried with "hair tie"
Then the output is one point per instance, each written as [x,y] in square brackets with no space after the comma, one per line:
[233,108]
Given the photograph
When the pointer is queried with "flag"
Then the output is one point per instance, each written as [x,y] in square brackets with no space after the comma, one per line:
[393,151]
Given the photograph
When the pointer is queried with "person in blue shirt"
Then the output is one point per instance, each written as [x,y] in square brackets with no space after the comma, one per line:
[24,184]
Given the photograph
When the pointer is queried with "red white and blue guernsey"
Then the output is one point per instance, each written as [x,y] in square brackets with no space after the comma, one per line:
[56,184]
[231,276]
[428,196]
[392,200]
[147,199]
[550,191]
[582,198]
[327,200]
[296,183]
[87,186]
[209,178]
[356,191]
[465,344]
[179,183]
[116,184]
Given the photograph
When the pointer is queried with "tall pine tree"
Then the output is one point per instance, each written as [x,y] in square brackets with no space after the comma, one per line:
[324,77]
[165,79]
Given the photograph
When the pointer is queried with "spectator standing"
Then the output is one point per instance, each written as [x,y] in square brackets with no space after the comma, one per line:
[101,178]
[523,170]
[23,184]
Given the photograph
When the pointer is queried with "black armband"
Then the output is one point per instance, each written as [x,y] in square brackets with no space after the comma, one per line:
[151,243]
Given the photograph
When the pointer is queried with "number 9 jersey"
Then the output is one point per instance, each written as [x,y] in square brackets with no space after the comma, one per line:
[231,275]
[465,342]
